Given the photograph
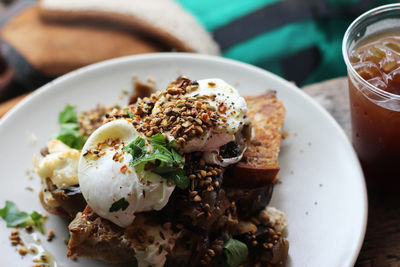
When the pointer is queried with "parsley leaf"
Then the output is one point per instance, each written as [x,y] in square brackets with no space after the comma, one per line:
[68,115]
[121,204]
[177,158]
[38,220]
[153,157]
[162,160]
[137,148]
[173,174]
[69,133]
[236,252]
[158,139]
[14,217]
[129,113]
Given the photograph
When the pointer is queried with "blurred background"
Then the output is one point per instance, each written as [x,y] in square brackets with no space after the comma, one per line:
[299,40]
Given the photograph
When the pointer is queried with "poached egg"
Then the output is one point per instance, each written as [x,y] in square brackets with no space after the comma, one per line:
[105,176]
[231,111]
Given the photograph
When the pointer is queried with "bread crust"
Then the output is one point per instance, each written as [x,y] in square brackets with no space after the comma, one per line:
[59,211]
[260,161]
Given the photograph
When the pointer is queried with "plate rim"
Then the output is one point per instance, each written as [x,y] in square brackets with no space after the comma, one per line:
[193,56]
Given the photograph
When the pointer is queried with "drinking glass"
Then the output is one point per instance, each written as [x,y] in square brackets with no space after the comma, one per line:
[375,113]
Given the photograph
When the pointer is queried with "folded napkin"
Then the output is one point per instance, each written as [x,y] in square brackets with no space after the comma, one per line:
[45,39]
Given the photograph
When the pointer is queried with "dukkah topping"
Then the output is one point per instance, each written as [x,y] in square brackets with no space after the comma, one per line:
[175,112]
[92,119]
[98,151]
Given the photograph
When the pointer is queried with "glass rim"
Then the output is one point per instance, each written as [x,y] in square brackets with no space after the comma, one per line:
[350,29]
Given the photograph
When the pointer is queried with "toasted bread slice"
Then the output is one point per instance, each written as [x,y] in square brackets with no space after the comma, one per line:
[69,201]
[260,161]
[94,237]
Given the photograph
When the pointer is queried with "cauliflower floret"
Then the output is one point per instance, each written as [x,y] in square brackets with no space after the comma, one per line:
[274,217]
[60,165]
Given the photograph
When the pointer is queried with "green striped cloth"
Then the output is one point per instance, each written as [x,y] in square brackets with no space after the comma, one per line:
[299,40]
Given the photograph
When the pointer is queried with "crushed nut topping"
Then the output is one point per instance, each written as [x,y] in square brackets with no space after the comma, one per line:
[175,112]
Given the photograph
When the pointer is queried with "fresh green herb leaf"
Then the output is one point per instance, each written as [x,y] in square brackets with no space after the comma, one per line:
[177,158]
[163,158]
[121,204]
[137,148]
[175,175]
[68,115]
[69,127]
[14,217]
[158,139]
[38,221]
[129,113]
[171,144]
[69,133]
[161,149]
[152,158]
[236,252]
[70,136]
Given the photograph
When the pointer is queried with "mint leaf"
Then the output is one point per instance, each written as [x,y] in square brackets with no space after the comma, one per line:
[69,133]
[121,204]
[236,252]
[68,115]
[14,217]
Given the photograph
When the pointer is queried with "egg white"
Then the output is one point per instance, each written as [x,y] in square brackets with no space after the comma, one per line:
[103,183]
[235,115]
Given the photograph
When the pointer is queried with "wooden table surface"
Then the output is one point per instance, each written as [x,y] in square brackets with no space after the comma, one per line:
[381,247]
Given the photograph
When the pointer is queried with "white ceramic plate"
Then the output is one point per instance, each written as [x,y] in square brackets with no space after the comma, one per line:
[322,190]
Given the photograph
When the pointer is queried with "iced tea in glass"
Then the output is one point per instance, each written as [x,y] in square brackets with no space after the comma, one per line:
[371,49]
